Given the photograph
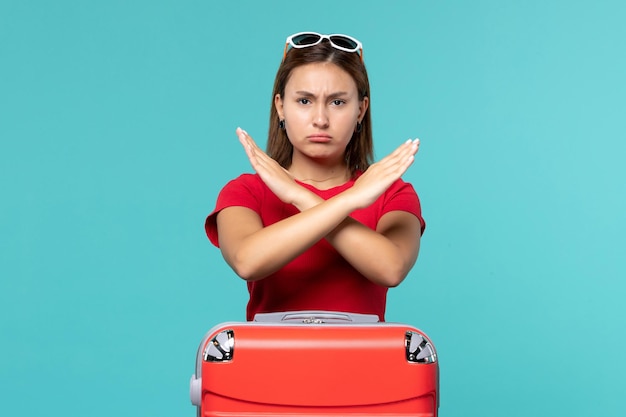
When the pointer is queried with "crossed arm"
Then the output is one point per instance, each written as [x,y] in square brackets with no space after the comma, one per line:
[384,255]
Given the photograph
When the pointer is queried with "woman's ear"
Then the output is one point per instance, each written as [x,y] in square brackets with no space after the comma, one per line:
[363,105]
[278,103]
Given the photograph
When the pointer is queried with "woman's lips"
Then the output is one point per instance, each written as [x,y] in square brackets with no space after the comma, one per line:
[319,138]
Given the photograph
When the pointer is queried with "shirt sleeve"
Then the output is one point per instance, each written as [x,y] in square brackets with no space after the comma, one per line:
[402,196]
[243,192]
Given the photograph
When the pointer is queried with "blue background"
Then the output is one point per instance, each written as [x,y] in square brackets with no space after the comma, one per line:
[117,124]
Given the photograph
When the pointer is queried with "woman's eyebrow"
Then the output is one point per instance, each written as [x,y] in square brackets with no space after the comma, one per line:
[331,95]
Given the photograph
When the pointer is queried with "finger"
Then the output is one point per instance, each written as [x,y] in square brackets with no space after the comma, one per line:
[260,161]
[414,147]
[400,149]
[254,148]
[409,146]
[401,159]
[251,142]
[244,138]
[416,144]
[399,155]
[246,144]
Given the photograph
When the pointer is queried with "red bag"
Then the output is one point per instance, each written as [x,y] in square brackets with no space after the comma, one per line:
[310,364]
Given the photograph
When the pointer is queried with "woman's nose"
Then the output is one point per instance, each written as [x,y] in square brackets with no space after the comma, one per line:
[320,117]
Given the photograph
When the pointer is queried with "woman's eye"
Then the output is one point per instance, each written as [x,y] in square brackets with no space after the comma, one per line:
[337,102]
[304,101]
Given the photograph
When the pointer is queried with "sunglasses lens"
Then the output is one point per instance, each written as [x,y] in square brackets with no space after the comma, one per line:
[344,42]
[305,39]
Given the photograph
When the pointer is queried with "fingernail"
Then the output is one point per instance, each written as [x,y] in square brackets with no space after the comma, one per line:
[408,141]
[416,141]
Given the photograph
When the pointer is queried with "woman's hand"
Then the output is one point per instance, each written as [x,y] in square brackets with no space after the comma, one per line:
[278,179]
[380,175]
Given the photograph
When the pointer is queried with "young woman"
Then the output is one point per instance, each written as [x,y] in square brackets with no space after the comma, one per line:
[318,227]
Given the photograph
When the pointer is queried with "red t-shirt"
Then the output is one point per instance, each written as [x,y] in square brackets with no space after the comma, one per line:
[320,278]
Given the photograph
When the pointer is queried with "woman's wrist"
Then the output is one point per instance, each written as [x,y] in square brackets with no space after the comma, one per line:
[306,199]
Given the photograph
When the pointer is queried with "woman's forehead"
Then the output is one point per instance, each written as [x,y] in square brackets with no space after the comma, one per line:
[321,77]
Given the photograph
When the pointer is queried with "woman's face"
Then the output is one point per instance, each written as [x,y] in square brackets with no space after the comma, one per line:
[321,108]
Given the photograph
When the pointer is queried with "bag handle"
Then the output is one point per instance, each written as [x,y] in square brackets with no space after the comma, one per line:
[315,317]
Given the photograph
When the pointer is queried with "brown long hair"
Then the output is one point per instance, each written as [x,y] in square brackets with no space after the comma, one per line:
[360,150]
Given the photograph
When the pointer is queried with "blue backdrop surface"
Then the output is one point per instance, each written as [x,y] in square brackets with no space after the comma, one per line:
[117,124]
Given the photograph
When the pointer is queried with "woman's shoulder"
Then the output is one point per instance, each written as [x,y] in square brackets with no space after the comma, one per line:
[247,178]
[252,181]
[400,186]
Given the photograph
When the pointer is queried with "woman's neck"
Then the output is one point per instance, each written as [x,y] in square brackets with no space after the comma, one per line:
[321,177]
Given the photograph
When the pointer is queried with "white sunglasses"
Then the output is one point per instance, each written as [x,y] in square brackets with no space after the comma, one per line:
[305,39]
